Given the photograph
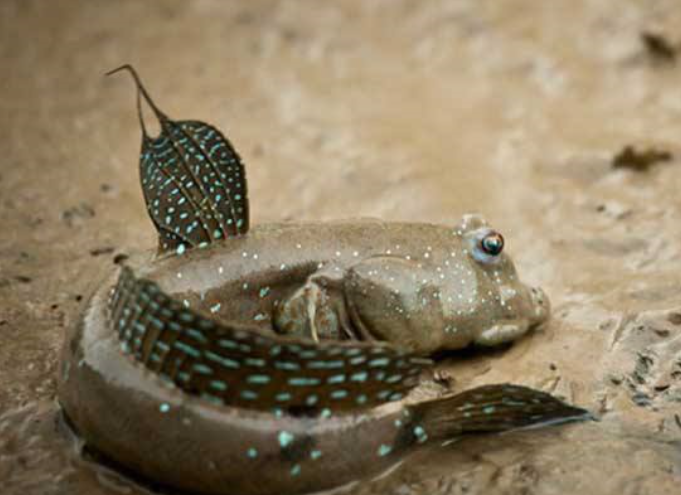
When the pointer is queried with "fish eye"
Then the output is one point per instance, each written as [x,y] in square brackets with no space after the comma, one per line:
[486,245]
[492,243]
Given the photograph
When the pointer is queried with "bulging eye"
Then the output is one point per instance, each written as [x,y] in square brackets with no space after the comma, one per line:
[492,243]
[486,245]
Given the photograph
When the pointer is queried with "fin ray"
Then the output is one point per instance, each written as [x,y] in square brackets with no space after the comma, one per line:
[183,169]
[215,167]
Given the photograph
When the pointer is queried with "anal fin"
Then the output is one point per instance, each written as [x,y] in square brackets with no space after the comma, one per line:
[494,408]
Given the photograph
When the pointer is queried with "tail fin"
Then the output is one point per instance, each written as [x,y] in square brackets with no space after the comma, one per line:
[494,408]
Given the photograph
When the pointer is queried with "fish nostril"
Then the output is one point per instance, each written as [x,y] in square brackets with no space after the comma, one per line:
[538,297]
[541,303]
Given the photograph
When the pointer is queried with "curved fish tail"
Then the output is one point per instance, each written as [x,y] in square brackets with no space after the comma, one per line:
[494,408]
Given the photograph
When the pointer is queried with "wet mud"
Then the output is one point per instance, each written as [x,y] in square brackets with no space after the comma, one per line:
[401,110]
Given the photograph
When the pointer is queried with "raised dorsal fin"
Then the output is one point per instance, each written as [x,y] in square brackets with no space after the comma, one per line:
[193,180]
[240,367]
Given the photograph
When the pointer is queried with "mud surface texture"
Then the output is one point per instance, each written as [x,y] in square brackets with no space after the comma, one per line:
[404,110]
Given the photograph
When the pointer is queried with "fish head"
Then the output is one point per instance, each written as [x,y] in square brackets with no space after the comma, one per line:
[464,289]
[483,297]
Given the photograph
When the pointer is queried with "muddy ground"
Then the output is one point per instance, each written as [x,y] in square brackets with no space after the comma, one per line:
[405,110]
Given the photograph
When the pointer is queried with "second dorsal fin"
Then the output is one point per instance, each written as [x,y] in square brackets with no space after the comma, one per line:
[239,367]
[193,180]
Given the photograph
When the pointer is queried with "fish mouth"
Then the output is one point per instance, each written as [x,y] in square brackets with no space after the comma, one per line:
[534,311]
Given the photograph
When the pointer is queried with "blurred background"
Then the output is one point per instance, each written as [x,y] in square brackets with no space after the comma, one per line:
[560,121]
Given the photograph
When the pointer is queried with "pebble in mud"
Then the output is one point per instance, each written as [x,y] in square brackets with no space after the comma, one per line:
[649,358]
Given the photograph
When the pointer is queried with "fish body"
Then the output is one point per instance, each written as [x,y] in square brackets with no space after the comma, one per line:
[416,285]
[280,359]
[182,432]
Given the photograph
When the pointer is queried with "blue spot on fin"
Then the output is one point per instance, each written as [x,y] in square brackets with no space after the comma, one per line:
[488,409]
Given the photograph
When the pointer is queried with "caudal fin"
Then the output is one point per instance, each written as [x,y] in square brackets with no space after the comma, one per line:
[494,408]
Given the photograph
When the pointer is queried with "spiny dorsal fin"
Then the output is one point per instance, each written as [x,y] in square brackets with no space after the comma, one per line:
[193,180]
[242,368]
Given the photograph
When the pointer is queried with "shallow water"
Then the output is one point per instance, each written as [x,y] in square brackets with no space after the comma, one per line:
[393,109]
